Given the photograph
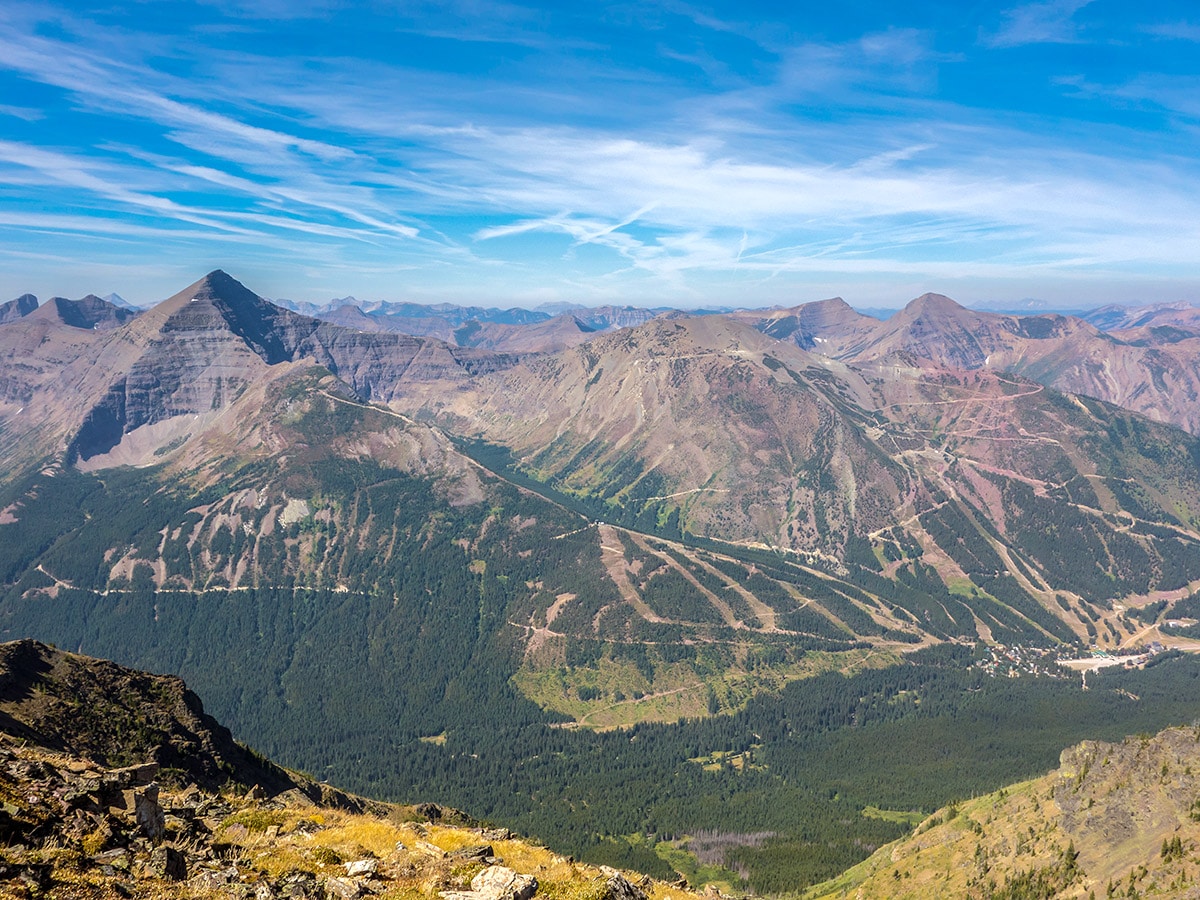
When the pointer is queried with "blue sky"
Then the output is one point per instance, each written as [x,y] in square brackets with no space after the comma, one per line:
[648,153]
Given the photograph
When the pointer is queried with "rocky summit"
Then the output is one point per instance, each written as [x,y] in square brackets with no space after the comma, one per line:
[182,822]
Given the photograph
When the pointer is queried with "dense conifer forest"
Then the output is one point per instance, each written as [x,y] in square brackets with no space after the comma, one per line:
[390,673]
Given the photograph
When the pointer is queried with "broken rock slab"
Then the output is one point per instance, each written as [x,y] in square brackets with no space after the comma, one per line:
[343,889]
[477,853]
[167,862]
[429,849]
[496,883]
[150,817]
[362,868]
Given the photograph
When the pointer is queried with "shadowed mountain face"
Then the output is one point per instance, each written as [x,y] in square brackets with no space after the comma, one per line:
[118,717]
[192,355]
[90,312]
[15,309]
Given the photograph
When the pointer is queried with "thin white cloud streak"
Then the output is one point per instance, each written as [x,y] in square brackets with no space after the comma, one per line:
[265,150]
[709,200]
[97,79]
[62,170]
[88,226]
[26,113]
[291,195]
[1178,94]
[1050,22]
[1177,31]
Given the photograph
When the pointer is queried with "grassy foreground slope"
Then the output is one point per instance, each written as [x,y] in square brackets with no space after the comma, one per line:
[1115,819]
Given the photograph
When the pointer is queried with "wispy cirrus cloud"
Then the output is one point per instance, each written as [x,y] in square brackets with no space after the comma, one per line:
[1178,31]
[1048,22]
[29,114]
[1176,94]
[666,150]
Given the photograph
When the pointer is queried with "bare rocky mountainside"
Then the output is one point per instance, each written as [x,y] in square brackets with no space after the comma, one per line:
[15,309]
[891,477]
[768,544]
[1147,361]
[1115,819]
[116,784]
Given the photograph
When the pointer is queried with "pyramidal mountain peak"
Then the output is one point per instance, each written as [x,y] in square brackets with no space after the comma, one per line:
[216,287]
[219,302]
[828,302]
[218,284]
[835,309]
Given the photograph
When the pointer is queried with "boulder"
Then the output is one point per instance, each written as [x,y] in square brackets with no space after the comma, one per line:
[479,853]
[501,883]
[133,776]
[169,863]
[430,811]
[301,886]
[295,797]
[149,816]
[496,883]
[618,887]
[362,868]
[429,849]
[211,881]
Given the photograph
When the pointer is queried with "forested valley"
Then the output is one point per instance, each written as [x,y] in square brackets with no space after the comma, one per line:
[390,672]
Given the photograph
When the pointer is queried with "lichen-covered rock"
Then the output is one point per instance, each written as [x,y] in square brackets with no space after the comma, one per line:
[618,887]
[169,863]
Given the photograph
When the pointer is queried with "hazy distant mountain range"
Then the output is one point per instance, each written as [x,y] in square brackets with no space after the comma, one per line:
[456,544]
[815,430]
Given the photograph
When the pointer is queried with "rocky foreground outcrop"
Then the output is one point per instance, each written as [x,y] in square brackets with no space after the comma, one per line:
[115,717]
[196,815]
